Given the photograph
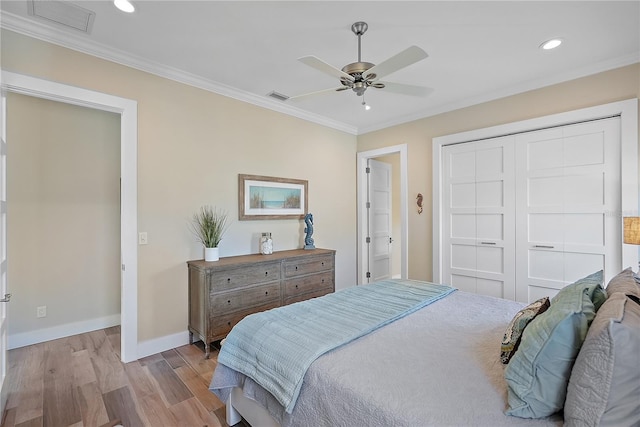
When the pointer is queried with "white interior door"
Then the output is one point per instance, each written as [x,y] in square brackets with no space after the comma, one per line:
[3,254]
[380,240]
[478,222]
[568,209]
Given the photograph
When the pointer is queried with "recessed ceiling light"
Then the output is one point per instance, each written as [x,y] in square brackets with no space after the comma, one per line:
[124,5]
[551,44]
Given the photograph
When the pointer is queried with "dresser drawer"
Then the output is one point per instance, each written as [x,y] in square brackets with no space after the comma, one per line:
[305,284]
[221,325]
[243,276]
[303,297]
[297,267]
[227,302]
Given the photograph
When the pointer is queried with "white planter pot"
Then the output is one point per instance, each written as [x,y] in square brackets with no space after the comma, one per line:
[211,254]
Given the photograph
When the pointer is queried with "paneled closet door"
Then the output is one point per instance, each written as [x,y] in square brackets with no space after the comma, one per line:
[478,220]
[568,206]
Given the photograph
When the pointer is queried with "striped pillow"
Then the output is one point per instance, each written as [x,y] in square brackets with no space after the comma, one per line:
[513,334]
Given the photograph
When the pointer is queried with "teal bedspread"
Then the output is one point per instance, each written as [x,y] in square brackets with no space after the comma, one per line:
[276,347]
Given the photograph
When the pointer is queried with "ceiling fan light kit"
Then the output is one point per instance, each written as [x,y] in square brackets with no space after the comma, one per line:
[359,76]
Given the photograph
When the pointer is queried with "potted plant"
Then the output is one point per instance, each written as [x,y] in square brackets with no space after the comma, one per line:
[209,224]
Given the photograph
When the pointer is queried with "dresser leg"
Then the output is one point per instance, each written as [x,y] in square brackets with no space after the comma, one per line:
[190,337]
[207,350]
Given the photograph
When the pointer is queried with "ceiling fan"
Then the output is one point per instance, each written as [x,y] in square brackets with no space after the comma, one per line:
[359,76]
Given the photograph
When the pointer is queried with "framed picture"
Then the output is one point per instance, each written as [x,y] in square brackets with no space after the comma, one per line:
[267,197]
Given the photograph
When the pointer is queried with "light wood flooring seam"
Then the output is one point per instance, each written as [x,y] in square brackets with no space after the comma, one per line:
[79,381]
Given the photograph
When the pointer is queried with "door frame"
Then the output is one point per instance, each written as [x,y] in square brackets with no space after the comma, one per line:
[128,110]
[628,112]
[361,162]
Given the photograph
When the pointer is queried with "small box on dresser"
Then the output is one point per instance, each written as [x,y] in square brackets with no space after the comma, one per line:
[221,293]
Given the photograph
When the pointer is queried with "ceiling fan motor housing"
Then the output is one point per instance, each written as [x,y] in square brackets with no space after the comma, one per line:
[357,70]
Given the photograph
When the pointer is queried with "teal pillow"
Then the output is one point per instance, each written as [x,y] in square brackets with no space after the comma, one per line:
[538,373]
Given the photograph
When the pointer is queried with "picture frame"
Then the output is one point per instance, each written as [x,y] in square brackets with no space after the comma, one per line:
[268,197]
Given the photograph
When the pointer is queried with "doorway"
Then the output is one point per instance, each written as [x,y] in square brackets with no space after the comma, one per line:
[398,155]
[30,86]
[63,185]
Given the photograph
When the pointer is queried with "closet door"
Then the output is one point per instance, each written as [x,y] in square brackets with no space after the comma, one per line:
[478,219]
[568,206]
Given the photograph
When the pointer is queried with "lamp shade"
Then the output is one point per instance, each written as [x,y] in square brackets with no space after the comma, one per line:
[632,230]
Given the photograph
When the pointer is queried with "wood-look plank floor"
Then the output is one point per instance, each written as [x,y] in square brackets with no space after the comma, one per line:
[79,381]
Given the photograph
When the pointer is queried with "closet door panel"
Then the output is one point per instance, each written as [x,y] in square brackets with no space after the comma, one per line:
[490,226]
[463,226]
[463,257]
[566,206]
[494,288]
[463,195]
[479,234]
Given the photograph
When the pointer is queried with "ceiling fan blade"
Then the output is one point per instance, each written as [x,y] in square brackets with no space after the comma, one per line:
[403,59]
[316,93]
[320,65]
[404,89]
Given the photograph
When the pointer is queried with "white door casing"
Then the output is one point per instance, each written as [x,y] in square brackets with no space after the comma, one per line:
[403,241]
[379,185]
[128,111]
[3,252]
[568,182]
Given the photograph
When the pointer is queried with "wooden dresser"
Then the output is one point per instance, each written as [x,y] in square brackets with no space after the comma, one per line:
[221,293]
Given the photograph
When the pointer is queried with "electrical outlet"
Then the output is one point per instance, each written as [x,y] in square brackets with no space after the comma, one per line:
[142,238]
[41,311]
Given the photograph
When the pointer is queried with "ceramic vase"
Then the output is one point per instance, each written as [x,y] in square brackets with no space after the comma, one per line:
[211,254]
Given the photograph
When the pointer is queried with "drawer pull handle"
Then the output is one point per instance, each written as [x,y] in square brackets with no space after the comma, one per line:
[228,301]
[228,280]
[266,273]
[266,293]
[543,246]
[323,263]
[296,268]
[296,286]
[228,323]
[322,280]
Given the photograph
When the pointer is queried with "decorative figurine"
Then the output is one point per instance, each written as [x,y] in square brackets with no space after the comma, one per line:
[419,202]
[308,240]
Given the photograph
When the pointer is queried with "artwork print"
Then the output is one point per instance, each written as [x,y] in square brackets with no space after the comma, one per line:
[262,197]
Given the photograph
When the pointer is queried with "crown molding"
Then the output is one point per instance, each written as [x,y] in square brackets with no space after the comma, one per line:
[81,44]
[510,91]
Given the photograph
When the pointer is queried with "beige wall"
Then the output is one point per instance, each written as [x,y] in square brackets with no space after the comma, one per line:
[615,85]
[63,183]
[192,144]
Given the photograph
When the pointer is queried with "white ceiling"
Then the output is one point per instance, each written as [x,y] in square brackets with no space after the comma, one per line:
[478,50]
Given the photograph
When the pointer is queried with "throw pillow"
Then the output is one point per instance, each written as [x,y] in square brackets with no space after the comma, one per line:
[605,381]
[513,334]
[624,282]
[538,373]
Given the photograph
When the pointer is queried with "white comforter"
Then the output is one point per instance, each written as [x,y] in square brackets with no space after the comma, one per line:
[439,366]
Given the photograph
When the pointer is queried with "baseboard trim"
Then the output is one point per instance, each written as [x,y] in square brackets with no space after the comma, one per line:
[47,334]
[158,345]
[145,348]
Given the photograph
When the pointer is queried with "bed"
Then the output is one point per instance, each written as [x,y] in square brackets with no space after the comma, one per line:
[438,365]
